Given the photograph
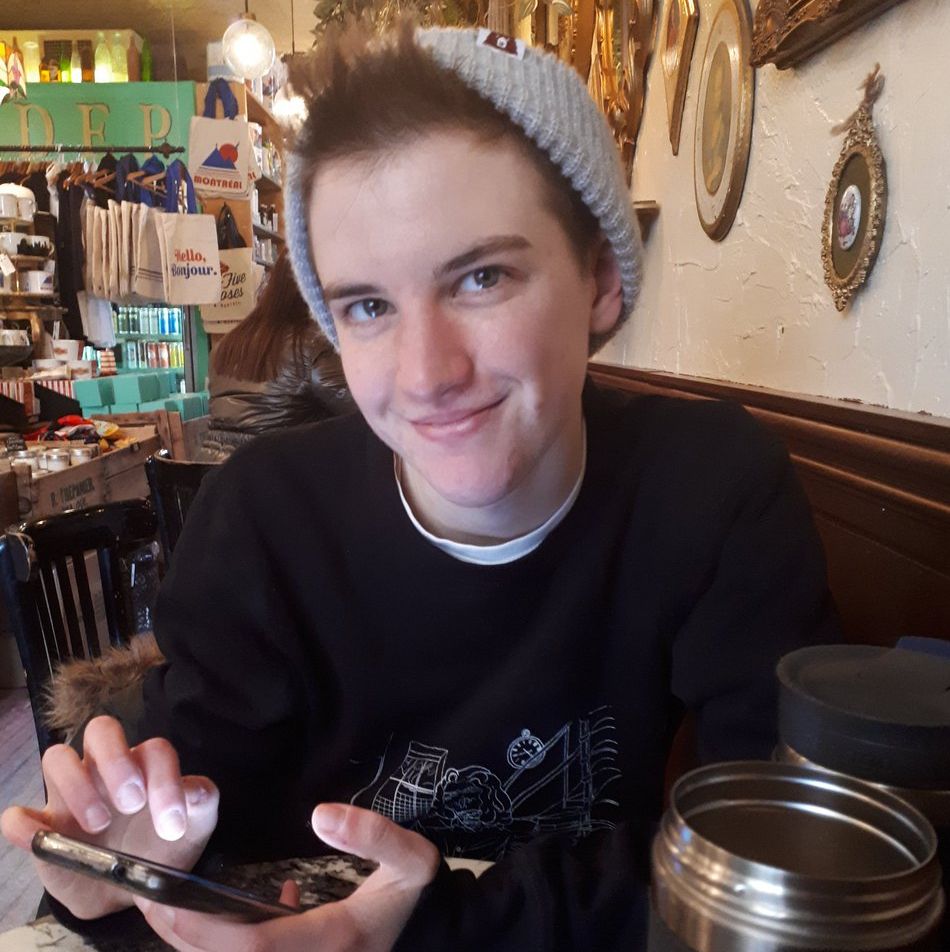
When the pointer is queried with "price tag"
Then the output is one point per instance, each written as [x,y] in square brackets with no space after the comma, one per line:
[6,265]
[15,443]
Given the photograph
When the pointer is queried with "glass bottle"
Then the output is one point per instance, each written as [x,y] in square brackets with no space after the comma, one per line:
[75,65]
[85,57]
[133,62]
[103,60]
[120,66]
[65,68]
[53,69]
[31,61]
[146,61]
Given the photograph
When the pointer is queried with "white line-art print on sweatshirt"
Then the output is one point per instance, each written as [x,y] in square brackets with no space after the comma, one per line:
[539,786]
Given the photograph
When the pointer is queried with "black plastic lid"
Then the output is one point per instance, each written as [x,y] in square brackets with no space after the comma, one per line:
[882,714]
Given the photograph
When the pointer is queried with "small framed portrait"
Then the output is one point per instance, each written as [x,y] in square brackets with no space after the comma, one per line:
[724,119]
[855,207]
[679,37]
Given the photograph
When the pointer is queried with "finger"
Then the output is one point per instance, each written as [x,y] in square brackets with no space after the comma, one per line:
[162,921]
[201,807]
[104,744]
[18,824]
[290,894]
[72,790]
[191,931]
[405,855]
[158,761]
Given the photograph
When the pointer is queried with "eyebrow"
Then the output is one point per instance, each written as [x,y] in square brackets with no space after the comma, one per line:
[333,292]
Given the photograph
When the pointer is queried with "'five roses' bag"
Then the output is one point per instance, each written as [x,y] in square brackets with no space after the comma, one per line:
[219,149]
[191,271]
[240,277]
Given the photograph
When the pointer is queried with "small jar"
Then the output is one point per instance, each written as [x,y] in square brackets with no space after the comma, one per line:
[82,454]
[57,460]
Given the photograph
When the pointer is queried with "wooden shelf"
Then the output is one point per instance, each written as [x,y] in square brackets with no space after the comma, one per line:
[16,222]
[27,295]
[29,259]
[647,214]
[263,232]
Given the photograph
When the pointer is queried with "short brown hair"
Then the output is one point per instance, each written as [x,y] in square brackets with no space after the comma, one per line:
[369,93]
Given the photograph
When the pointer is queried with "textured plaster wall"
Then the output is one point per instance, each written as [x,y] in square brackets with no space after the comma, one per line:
[754,308]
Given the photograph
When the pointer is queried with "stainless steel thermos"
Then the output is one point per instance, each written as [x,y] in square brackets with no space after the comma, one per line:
[768,857]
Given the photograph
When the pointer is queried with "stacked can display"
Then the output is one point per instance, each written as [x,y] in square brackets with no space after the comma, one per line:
[149,336]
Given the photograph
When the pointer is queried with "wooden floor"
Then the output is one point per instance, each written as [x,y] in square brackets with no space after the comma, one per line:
[20,783]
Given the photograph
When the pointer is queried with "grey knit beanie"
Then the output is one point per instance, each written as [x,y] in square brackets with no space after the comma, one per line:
[548,100]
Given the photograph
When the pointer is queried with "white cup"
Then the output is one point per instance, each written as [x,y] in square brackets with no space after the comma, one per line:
[9,206]
[27,206]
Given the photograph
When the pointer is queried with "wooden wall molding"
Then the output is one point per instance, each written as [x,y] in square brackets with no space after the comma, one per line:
[879,484]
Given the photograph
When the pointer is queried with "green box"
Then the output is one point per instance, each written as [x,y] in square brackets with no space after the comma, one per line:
[136,388]
[187,404]
[150,406]
[89,393]
[125,408]
[96,411]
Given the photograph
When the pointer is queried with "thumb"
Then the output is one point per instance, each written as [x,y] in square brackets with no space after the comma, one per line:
[405,855]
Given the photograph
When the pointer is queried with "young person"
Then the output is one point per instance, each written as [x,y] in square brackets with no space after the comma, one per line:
[469,620]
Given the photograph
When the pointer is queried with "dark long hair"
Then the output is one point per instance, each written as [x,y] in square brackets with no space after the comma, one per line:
[255,349]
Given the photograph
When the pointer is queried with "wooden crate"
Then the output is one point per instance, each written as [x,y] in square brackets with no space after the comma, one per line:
[119,474]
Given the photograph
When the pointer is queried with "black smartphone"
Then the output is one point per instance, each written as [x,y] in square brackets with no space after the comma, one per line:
[163,884]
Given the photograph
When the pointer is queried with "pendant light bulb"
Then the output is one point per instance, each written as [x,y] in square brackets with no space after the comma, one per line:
[248,48]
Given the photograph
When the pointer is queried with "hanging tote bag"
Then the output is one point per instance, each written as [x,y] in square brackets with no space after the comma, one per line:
[145,279]
[219,149]
[191,267]
[148,281]
[239,278]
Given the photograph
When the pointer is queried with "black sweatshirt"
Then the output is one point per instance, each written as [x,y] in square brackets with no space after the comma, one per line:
[320,649]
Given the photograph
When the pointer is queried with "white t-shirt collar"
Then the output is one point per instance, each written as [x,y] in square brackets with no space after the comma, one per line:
[503,552]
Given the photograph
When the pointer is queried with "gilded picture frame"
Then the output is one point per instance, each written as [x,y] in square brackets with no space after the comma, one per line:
[855,212]
[680,25]
[624,37]
[723,132]
[787,32]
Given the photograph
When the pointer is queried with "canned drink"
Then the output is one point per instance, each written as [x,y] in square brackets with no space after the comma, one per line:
[163,356]
[143,353]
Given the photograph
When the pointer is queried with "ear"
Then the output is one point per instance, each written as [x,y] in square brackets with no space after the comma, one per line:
[607,305]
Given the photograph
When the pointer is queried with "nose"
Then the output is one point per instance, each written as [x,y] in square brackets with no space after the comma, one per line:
[434,355]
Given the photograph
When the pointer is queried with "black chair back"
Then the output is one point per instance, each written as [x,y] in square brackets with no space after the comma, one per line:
[174,485]
[51,600]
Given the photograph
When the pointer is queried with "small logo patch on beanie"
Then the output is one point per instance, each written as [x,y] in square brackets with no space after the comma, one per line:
[500,43]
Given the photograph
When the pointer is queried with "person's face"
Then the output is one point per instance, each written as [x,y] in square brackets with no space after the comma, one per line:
[463,317]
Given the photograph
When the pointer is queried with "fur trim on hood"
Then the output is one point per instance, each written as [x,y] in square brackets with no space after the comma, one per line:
[82,688]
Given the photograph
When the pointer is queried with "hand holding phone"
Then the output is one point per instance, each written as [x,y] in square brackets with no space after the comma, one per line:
[131,799]
[154,881]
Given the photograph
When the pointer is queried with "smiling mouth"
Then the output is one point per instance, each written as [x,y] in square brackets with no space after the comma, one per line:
[455,422]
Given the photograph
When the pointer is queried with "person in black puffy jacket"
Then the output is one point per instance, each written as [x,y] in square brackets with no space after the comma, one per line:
[275,369]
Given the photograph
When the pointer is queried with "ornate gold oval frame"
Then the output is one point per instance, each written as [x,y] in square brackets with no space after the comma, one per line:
[718,225]
[860,141]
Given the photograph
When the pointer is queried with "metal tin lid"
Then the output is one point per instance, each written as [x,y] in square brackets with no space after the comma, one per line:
[878,713]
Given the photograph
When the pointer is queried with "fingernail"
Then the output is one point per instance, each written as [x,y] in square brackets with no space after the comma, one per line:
[97,818]
[195,796]
[171,824]
[328,817]
[130,796]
